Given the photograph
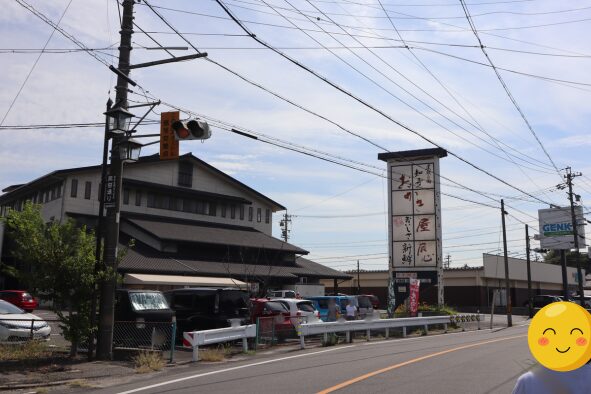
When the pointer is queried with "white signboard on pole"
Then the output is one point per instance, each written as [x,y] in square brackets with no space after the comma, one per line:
[414,216]
[556,230]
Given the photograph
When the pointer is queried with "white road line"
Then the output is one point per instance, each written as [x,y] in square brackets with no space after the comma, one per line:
[290,358]
[231,369]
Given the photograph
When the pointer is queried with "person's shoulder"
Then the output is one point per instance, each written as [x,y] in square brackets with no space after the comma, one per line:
[523,383]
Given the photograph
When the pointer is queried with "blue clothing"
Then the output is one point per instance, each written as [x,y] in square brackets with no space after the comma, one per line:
[541,380]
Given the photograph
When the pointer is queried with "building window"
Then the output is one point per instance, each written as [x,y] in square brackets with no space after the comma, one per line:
[267,215]
[212,208]
[259,214]
[87,189]
[73,189]
[59,190]
[250,214]
[223,210]
[126,196]
[53,192]
[185,174]
[241,212]
[138,198]
[232,211]
[46,196]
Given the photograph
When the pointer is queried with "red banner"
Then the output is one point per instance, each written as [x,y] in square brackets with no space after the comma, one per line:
[413,303]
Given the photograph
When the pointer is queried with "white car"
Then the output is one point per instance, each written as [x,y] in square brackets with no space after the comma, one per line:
[15,324]
[300,310]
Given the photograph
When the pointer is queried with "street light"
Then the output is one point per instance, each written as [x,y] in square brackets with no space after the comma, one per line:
[119,120]
[129,150]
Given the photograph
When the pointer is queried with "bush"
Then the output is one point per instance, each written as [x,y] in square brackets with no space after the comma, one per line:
[331,340]
[147,361]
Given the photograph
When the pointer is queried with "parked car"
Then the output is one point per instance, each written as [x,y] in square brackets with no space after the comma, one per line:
[281,294]
[203,308]
[364,306]
[375,301]
[272,317]
[540,301]
[142,318]
[321,304]
[300,311]
[20,298]
[15,324]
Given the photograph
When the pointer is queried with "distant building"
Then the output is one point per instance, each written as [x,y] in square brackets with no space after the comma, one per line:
[471,288]
[192,225]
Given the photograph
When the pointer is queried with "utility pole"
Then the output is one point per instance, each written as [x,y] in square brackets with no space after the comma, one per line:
[447,261]
[358,280]
[569,181]
[107,317]
[507,284]
[564,276]
[284,224]
[529,296]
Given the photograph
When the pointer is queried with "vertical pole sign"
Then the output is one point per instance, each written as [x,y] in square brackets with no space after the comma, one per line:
[169,145]
[414,225]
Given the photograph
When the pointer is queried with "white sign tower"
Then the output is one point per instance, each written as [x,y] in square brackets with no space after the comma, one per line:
[414,213]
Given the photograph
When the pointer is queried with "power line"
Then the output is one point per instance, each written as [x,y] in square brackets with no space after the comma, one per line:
[371,107]
[506,88]
[18,93]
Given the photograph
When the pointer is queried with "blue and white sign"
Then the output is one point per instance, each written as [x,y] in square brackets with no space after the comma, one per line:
[556,230]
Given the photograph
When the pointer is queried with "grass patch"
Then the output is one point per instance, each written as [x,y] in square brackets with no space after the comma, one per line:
[147,361]
[80,383]
[213,354]
[331,340]
[31,350]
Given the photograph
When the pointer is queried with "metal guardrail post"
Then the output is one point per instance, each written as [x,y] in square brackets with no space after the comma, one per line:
[195,353]
[32,328]
[404,332]
[349,337]
[426,329]
[244,345]
[478,318]
[387,333]
[368,334]
[445,328]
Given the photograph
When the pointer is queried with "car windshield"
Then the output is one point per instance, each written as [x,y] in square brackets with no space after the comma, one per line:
[306,306]
[275,306]
[234,300]
[147,301]
[6,308]
[364,302]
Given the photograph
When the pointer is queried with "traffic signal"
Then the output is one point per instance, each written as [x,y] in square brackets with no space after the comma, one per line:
[191,130]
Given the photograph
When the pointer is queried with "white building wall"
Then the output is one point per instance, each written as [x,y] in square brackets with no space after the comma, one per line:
[494,268]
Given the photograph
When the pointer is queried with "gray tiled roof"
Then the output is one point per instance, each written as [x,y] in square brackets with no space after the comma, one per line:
[212,234]
[159,263]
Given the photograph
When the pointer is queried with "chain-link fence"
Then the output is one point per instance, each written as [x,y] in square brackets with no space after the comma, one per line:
[145,335]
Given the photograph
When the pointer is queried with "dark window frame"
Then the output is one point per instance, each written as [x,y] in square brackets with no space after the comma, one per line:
[259,215]
[73,188]
[267,215]
[185,174]
[126,192]
[250,213]
[138,198]
[87,190]
[241,212]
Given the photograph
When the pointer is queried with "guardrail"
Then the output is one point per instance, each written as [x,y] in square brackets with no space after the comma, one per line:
[195,339]
[381,324]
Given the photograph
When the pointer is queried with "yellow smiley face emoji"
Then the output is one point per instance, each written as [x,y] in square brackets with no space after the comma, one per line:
[559,336]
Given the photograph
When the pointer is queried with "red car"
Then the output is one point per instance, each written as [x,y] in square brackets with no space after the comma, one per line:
[20,298]
[375,301]
[272,317]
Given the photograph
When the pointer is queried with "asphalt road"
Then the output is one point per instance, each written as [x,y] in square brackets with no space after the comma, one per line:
[471,362]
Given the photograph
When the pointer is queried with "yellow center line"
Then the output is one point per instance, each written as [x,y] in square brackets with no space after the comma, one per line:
[414,360]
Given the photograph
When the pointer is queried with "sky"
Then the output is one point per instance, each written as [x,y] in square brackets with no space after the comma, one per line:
[419,65]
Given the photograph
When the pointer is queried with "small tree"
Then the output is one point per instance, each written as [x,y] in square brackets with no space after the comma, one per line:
[60,258]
